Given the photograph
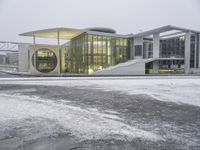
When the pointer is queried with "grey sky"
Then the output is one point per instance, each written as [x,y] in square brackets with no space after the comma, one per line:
[126,16]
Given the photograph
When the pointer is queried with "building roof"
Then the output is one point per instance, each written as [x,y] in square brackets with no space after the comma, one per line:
[69,33]
[102,29]
[64,33]
[164,29]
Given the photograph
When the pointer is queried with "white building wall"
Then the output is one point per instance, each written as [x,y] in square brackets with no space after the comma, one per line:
[133,69]
[156,51]
[155,67]
[195,53]
[187,52]
[23,57]
[156,45]
[199,51]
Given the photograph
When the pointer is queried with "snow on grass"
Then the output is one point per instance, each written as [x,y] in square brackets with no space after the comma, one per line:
[83,123]
[181,89]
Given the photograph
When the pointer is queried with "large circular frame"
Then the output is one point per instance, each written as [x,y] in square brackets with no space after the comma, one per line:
[44,60]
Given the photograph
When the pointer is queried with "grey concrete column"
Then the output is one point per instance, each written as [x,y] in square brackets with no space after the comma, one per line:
[132,48]
[4,60]
[155,67]
[187,52]
[24,59]
[156,45]
[199,51]
[138,41]
[195,53]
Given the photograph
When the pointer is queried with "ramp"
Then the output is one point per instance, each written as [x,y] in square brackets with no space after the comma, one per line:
[131,67]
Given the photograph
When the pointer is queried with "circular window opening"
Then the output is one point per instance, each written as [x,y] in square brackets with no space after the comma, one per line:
[44,60]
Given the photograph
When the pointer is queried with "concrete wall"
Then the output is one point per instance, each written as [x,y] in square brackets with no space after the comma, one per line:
[156,67]
[55,49]
[23,58]
[134,69]
[199,51]
[194,71]
[187,52]
[156,45]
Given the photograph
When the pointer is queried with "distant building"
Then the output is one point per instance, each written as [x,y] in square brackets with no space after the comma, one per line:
[12,58]
[3,57]
[8,53]
[100,51]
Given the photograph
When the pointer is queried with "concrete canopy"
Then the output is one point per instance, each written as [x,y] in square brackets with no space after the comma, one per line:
[55,33]
[164,29]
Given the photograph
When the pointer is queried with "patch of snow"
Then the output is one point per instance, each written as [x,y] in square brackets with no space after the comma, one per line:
[83,123]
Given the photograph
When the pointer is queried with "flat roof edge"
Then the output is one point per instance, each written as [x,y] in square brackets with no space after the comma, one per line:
[50,29]
[164,29]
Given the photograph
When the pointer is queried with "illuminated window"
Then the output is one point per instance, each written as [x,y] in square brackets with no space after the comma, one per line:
[44,60]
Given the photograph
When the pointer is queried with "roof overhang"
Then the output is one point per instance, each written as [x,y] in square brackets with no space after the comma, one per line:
[164,29]
[55,33]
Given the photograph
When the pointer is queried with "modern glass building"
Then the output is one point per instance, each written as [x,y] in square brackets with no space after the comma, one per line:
[91,52]
[101,51]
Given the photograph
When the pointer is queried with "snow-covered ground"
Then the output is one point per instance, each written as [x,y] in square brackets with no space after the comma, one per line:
[104,108]
[84,123]
[181,89]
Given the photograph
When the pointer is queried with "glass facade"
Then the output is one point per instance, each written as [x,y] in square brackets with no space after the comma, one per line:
[88,53]
[173,47]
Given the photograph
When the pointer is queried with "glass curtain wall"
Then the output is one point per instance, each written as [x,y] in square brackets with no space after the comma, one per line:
[173,47]
[88,53]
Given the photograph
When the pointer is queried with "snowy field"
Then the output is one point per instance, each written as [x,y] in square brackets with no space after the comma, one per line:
[100,113]
[180,89]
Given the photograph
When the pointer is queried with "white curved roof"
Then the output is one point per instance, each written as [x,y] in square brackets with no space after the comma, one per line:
[64,33]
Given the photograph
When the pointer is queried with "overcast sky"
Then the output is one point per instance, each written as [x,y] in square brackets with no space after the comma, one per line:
[126,16]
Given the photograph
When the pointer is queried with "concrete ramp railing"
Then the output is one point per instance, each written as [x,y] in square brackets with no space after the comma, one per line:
[134,67]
